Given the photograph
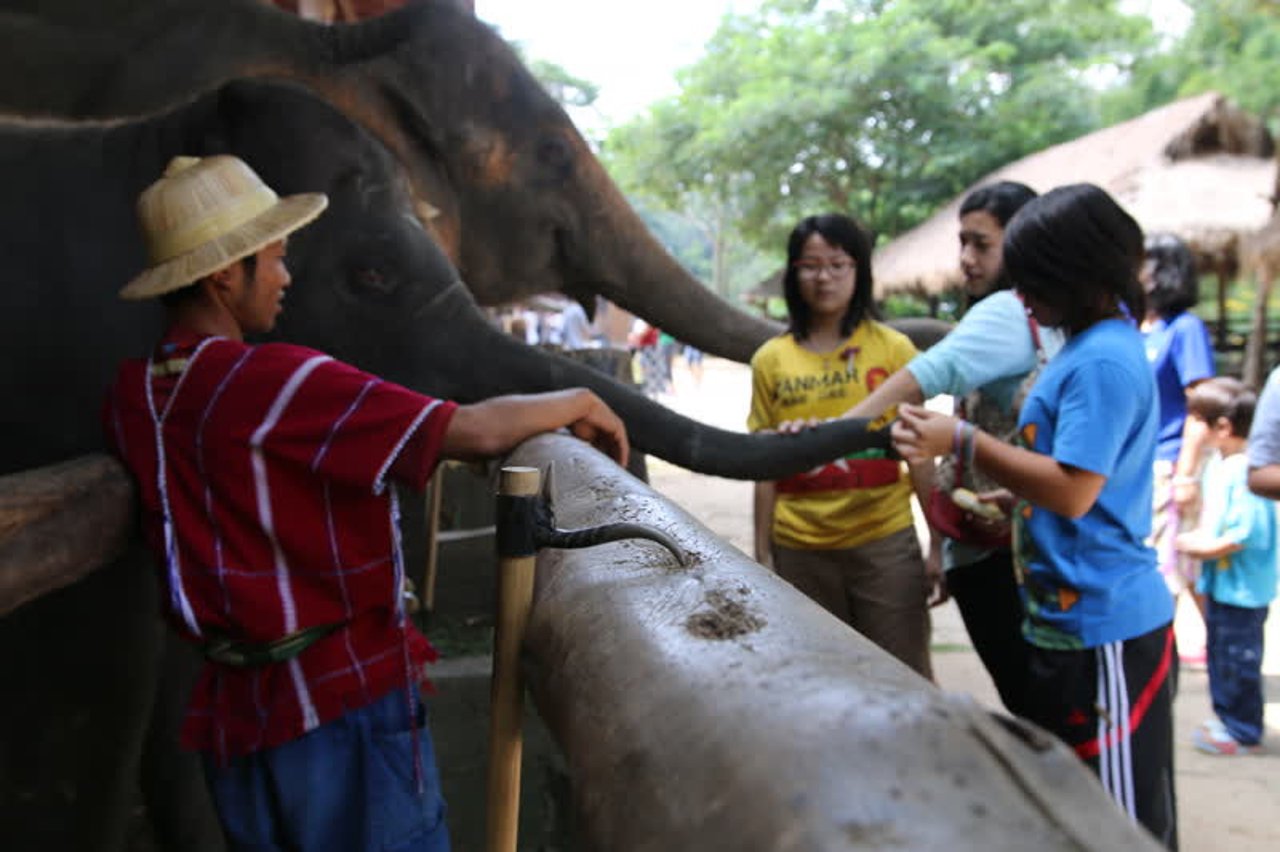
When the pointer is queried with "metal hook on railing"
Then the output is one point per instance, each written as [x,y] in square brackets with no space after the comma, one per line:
[533,520]
[525,522]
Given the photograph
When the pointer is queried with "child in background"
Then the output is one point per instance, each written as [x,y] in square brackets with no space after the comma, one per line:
[1237,541]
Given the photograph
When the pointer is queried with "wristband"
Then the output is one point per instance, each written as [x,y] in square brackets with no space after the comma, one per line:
[1185,480]
[970,444]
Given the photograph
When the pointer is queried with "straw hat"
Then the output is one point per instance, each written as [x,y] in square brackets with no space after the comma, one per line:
[205,214]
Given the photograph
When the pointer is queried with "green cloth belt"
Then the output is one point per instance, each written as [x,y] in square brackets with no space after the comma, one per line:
[251,655]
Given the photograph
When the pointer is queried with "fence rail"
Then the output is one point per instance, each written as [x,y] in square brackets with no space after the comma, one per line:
[716,707]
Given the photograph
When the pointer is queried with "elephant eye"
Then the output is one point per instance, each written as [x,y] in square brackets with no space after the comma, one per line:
[371,280]
[555,155]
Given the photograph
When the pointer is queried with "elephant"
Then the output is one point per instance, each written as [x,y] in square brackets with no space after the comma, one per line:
[501,177]
[86,664]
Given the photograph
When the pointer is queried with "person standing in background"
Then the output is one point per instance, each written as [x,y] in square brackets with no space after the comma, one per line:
[575,328]
[1181,355]
[1237,541]
[1264,441]
[843,533]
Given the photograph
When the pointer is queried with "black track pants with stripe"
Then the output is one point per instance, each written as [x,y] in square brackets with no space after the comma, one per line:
[1113,704]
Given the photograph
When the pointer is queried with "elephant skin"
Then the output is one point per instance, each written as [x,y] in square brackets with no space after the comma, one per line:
[716,707]
[500,176]
[370,287]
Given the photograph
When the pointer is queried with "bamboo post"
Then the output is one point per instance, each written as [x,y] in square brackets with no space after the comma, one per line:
[517,495]
[435,495]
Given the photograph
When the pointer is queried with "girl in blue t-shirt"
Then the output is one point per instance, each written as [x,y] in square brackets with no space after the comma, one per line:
[1098,617]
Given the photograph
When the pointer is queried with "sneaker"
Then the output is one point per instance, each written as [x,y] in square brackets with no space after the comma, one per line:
[1211,737]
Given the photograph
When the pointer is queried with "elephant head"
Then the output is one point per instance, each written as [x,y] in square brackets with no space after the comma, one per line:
[499,175]
[517,197]
[370,286]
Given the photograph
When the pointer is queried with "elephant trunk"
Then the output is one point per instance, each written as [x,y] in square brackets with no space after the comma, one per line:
[512,367]
[649,282]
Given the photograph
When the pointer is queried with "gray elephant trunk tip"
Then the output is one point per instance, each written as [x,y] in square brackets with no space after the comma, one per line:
[546,534]
[591,536]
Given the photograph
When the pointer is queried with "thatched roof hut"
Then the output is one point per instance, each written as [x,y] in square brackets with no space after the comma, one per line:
[1199,167]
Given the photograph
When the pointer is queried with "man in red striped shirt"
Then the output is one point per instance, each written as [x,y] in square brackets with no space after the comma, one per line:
[262,472]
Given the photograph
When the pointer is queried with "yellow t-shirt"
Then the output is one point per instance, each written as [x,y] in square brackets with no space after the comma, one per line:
[862,497]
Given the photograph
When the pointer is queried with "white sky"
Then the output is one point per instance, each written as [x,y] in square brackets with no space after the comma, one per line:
[631,50]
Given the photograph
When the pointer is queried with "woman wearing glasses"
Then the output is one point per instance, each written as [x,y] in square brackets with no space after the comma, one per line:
[842,533]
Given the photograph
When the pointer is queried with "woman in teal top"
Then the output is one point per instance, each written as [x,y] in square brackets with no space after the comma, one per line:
[1098,618]
[984,361]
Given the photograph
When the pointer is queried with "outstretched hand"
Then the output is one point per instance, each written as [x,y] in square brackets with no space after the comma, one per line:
[935,579]
[920,434]
[790,427]
[604,430]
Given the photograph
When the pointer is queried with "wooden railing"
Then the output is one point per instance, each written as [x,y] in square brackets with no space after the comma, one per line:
[715,707]
[707,707]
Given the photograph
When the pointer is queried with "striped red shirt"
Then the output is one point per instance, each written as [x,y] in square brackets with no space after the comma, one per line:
[261,473]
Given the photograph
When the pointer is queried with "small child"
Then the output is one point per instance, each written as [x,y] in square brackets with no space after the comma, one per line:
[1237,541]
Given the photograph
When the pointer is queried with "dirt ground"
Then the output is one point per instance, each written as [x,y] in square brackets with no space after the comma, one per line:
[1223,803]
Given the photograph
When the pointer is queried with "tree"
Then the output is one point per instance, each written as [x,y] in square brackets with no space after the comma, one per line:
[568,90]
[884,108]
[1231,46]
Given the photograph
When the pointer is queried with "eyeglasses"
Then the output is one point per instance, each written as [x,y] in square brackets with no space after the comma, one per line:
[811,268]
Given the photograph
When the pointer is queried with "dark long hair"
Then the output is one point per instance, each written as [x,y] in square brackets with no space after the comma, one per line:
[1001,200]
[1077,251]
[842,232]
[1175,285]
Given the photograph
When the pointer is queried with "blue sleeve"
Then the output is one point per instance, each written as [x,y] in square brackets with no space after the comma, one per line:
[1192,350]
[1264,437]
[991,342]
[1245,518]
[1097,394]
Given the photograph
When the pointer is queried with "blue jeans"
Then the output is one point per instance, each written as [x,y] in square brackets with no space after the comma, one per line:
[347,786]
[1234,649]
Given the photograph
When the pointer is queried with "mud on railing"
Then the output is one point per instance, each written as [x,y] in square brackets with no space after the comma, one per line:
[714,707]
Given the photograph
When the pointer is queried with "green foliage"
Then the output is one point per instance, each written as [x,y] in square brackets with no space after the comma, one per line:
[897,305]
[569,90]
[1231,46]
[883,109]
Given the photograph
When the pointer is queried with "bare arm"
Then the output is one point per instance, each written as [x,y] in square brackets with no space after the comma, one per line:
[1186,470]
[922,482]
[1059,488]
[1200,546]
[898,388]
[1265,481]
[765,496]
[495,426]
